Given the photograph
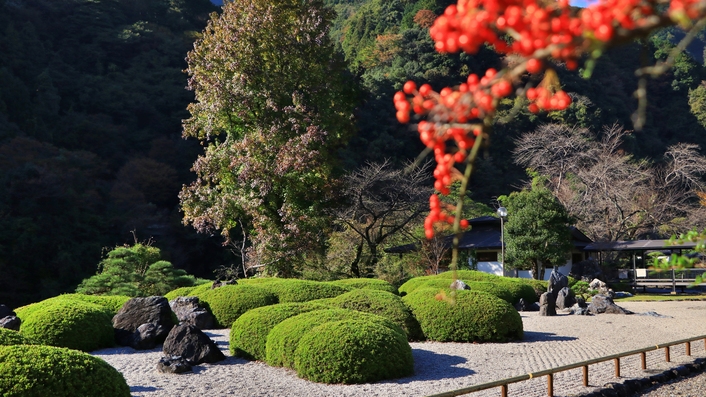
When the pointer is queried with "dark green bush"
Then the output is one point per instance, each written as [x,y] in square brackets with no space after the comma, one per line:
[10,337]
[110,302]
[248,336]
[382,303]
[413,283]
[294,290]
[353,351]
[465,316]
[365,283]
[518,288]
[68,322]
[188,291]
[40,371]
[283,338]
[229,302]
[469,275]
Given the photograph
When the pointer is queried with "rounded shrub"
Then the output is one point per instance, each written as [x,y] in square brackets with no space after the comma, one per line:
[382,303]
[464,316]
[469,275]
[248,335]
[413,283]
[110,302]
[68,322]
[353,351]
[283,339]
[181,291]
[365,283]
[10,337]
[294,290]
[229,302]
[39,371]
[528,289]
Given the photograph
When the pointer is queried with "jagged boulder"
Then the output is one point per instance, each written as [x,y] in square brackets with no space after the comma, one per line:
[190,343]
[565,298]
[152,310]
[547,304]
[188,310]
[604,304]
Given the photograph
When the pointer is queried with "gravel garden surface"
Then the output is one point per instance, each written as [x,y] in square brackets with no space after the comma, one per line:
[549,342]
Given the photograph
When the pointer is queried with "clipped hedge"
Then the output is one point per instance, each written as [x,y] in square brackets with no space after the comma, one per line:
[196,290]
[465,316]
[67,322]
[229,302]
[248,335]
[365,283]
[294,290]
[283,339]
[10,337]
[110,302]
[39,371]
[382,303]
[412,284]
[353,351]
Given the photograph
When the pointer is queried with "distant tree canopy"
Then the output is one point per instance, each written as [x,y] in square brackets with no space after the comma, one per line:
[273,106]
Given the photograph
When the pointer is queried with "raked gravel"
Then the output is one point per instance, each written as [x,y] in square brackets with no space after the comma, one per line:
[549,342]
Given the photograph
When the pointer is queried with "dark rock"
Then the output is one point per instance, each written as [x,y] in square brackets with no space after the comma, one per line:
[602,288]
[144,337]
[565,298]
[521,305]
[10,322]
[138,311]
[458,284]
[579,311]
[556,282]
[173,365]
[192,344]
[547,304]
[604,304]
[189,311]
[221,283]
[581,302]
[6,311]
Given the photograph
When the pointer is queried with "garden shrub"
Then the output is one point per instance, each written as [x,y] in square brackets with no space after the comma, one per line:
[40,371]
[465,316]
[229,302]
[382,303]
[248,335]
[469,275]
[294,290]
[353,351]
[68,322]
[11,337]
[413,283]
[110,302]
[518,288]
[283,338]
[365,283]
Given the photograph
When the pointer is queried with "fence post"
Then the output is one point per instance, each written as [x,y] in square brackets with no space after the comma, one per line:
[688,348]
[666,354]
[643,360]
[617,367]
[585,376]
[550,385]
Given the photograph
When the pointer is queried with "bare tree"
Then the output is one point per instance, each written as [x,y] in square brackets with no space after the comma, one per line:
[612,195]
[380,202]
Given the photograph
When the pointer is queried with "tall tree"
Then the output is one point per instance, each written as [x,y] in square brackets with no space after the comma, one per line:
[272,108]
[537,229]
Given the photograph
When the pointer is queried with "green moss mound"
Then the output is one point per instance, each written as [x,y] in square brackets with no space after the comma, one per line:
[229,302]
[521,288]
[413,283]
[382,303]
[470,275]
[294,290]
[10,337]
[248,335]
[110,302]
[196,290]
[353,351]
[68,322]
[283,339]
[366,283]
[465,316]
[40,371]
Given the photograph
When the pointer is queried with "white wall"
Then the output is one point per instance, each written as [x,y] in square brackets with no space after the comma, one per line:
[495,268]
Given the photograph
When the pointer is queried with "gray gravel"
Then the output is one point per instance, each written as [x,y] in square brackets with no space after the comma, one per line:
[549,342]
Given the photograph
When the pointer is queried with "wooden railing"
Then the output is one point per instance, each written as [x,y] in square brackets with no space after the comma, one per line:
[549,373]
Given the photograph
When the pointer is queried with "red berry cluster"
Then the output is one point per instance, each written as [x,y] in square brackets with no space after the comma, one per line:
[543,99]
[437,214]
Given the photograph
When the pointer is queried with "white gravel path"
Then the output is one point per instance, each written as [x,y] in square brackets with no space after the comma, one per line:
[549,342]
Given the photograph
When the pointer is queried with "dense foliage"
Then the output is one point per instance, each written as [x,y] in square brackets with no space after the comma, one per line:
[37,371]
[353,351]
[229,302]
[464,316]
[366,283]
[11,337]
[294,290]
[68,322]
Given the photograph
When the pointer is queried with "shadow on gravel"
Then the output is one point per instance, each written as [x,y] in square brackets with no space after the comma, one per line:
[531,336]
[434,366]
[142,389]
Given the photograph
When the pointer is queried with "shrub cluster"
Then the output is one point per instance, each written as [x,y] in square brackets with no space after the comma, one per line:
[110,302]
[66,321]
[248,336]
[464,316]
[229,302]
[353,351]
[294,290]
[10,337]
[365,283]
[382,303]
[39,371]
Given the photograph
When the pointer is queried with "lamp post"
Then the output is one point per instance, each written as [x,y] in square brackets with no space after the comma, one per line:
[502,212]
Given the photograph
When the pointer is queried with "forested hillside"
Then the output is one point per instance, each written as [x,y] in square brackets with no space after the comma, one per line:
[92,97]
